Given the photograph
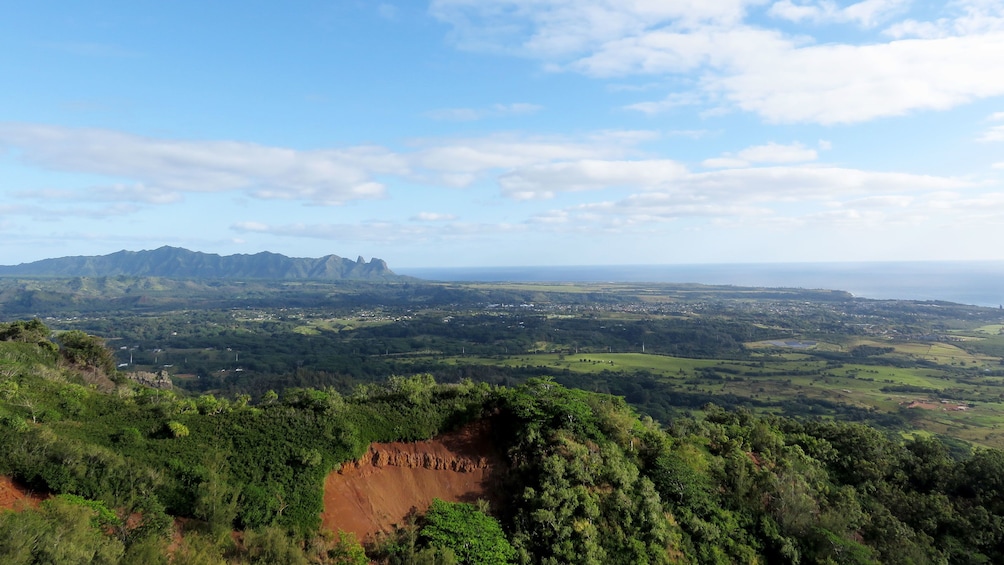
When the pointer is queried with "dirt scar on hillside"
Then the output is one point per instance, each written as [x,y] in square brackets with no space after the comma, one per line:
[377,492]
[15,497]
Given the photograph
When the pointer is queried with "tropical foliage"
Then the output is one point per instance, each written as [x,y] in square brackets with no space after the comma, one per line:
[584,479]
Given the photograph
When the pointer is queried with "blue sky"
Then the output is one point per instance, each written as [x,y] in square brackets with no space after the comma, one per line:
[505,132]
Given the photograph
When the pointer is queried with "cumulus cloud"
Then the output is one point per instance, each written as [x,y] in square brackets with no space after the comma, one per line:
[56,213]
[543,181]
[137,193]
[885,201]
[323,176]
[378,231]
[768,153]
[148,170]
[733,63]
[964,17]
[772,196]
[459,162]
[673,100]
[550,28]
[994,133]
[771,183]
[831,84]
[867,13]
[782,183]
[761,71]
[724,163]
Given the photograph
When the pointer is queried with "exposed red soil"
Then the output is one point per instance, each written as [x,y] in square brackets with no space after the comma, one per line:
[15,497]
[377,492]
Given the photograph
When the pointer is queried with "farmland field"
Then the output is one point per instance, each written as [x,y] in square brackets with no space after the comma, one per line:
[670,350]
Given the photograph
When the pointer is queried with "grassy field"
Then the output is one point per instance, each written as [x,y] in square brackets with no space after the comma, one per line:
[929,397]
[315,327]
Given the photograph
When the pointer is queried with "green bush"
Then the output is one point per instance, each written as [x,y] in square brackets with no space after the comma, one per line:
[176,429]
[473,536]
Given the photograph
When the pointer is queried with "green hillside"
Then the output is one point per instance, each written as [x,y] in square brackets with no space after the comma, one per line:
[585,479]
[175,262]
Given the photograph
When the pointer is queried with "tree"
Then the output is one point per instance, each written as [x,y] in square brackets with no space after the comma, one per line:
[65,530]
[472,535]
[216,499]
[31,331]
[348,550]
[86,351]
[272,545]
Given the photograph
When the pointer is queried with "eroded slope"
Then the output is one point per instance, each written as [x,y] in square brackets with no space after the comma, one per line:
[373,494]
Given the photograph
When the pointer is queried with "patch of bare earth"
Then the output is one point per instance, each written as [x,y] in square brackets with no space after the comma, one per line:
[13,496]
[377,492]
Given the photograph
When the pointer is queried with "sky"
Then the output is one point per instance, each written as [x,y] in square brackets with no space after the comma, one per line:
[460,133]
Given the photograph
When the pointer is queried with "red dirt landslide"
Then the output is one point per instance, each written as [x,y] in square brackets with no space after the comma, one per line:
[374,494]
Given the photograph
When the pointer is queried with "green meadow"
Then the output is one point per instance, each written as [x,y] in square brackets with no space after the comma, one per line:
[928,397]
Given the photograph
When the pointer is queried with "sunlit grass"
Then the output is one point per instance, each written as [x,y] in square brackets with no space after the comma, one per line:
[779,379]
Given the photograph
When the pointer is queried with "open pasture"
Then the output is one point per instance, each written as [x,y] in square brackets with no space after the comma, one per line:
[927,397]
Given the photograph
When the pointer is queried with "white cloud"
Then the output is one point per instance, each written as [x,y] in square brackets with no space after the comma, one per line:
[787,183]
[114,193]
[963,17]
[769,153]
[885,201]
[673,100]
[518,108]
[56,213]
[462,160]
[640,213]
[832,84]
[330,176]
[379,231]
[159,171]
[762,72]
[691,133]
[542,181]
[433,217]
[867,13]
[724,163]
[778,153]
[772,196]
[735,64]
[769,184]
[995,133]
[553,28]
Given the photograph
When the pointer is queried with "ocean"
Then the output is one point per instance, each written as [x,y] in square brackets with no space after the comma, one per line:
[978,283]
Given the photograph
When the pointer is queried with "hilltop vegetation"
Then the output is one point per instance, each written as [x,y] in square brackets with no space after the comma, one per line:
[585,479]
[909,367]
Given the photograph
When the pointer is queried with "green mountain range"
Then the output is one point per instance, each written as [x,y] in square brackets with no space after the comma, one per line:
[176,262]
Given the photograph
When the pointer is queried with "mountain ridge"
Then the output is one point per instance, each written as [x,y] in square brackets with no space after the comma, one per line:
[178,262]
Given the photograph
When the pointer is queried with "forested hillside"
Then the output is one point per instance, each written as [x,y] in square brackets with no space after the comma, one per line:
[143,475]
[176,262]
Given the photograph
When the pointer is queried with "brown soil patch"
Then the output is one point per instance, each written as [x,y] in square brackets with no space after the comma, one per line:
[377,492]
[13,496]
